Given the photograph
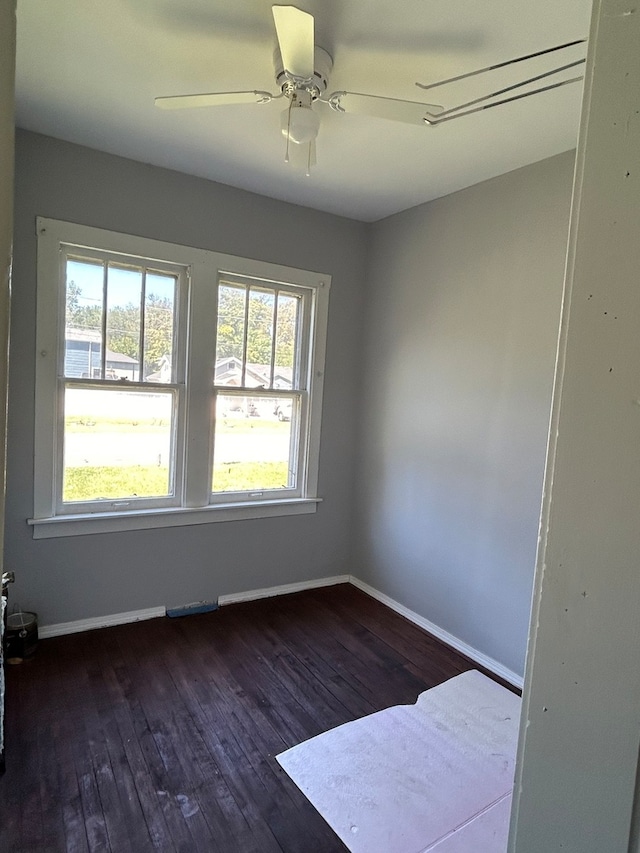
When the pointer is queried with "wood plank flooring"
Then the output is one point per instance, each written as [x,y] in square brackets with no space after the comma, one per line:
[162,735]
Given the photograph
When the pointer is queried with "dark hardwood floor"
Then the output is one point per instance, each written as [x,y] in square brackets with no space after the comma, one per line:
[162,735]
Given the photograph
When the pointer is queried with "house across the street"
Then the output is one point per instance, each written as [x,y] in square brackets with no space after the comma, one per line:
[83,357]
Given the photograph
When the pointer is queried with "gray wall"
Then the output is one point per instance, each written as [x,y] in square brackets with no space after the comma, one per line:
[80,577]
[463,311]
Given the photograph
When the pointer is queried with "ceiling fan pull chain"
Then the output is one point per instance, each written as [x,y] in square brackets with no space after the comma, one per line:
[286,153]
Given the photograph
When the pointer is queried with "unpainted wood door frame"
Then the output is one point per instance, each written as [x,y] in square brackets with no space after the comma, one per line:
[578,754]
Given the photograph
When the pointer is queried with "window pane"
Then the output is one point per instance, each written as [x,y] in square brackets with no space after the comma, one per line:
[230,330]
[259,337]
[117,445]
[159,319]
[124,294]
[253,445]
[286,329]
[83,318]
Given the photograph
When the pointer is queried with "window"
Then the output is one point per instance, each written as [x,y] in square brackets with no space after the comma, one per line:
[173,385]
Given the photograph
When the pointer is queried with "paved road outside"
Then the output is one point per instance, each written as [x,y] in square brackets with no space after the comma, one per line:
[107,448]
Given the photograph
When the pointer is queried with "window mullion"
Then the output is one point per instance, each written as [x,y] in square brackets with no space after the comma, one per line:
[245,340]
[199,394]
[143,297]
[103,349]
[274,333]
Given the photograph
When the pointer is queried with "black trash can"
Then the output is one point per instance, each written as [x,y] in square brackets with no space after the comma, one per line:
[21,636]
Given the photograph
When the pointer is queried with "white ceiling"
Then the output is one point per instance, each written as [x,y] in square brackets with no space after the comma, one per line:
[88,72]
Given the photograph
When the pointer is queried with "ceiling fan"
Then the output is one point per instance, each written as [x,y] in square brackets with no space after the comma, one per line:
[302,71]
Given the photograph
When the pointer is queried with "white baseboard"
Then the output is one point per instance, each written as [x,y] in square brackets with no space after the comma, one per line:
[484,660]
[284,589]
[60,628]
[492,665]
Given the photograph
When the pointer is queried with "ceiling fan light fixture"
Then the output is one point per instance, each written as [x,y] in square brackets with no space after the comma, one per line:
[300,123]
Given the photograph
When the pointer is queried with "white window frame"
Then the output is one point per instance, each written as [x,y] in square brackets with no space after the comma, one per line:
[201,270]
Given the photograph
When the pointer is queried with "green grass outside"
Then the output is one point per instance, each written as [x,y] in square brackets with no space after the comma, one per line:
[89,482]
[250,476]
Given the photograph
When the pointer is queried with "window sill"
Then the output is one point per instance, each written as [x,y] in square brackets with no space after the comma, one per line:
[114,522]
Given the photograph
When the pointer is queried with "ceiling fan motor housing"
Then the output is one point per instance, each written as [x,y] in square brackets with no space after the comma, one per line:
[315,85]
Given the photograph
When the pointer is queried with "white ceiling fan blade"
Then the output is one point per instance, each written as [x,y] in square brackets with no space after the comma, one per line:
[302,157]
[212,99]
[295,31]
[394,109]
